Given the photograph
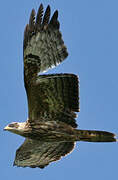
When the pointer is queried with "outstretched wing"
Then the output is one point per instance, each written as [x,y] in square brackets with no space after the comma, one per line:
[39,154]
[50,97]
[43,44]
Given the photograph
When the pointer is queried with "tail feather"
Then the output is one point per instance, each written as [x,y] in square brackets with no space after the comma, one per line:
[95,136]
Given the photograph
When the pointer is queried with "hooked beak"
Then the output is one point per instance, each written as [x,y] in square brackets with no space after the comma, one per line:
[7,128]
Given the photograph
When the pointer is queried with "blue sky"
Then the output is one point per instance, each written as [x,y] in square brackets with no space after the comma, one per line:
[90,31]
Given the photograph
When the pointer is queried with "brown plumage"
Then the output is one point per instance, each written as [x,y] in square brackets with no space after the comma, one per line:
[53,99]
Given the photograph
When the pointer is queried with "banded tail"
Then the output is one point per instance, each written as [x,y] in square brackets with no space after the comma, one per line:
[95,136]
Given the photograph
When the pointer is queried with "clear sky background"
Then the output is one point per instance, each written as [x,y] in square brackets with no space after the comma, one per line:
[90,31]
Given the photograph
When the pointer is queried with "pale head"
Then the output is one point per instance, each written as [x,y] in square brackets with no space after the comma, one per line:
[16,127]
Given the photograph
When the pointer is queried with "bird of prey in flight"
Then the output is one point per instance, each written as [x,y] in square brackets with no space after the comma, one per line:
[53,99]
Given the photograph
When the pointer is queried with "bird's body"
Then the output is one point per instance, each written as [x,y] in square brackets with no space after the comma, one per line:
[56,131]
[53,99]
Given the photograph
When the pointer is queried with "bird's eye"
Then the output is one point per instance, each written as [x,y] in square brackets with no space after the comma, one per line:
[13,125]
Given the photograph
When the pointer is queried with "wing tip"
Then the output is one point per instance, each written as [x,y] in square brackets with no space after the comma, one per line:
[41,21]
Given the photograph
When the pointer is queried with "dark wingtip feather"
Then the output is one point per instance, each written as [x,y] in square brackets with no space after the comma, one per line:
[39,16]
[54,22]
[26,30]
[26,35]
[46,16]
[32,20]
[55,15]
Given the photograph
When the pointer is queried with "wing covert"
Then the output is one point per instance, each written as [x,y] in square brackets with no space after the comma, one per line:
[54,97]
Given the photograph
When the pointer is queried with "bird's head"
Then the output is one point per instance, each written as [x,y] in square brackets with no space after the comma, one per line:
[15,127]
